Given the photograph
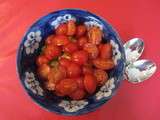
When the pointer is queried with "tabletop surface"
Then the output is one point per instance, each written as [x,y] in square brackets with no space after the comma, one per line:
[131,18]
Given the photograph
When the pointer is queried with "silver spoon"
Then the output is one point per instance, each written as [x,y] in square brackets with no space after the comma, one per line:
[133,49]
[140,70]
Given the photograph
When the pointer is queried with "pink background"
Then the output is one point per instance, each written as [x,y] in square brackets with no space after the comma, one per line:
[131,18]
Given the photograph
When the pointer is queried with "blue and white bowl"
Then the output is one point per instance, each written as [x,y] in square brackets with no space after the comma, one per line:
[30,48]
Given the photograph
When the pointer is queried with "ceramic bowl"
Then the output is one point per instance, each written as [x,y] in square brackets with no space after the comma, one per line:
[31,45]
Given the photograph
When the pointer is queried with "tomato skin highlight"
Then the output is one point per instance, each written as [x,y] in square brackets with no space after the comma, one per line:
[92,50]
[95,35]
[66,86]
[60,40]
[106,51]
[73,70]
[78,94]
[104,64]
[43,71]
[80,83]
[70,48]
[80,57]
[81,30]
[90,83]
[101,76]
[64,62]
[61,29]
[71,28]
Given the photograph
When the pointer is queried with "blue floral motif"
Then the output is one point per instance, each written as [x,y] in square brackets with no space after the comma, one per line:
[32,42]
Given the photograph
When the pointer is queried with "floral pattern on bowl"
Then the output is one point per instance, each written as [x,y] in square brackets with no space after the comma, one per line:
[30,48]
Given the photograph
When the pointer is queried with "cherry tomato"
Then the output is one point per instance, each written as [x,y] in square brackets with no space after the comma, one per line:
[78,94]
[82,41]
[90,83]
[104,64]
[101,76]
[70,47]
[62,29]
[95,35]
[105,51]
[56,74]
[66,86]
[52,51]
[66,55]
[80,83]
[80,57]
[41,60]
[92,50]
[87,70]
[49,39]
[71,27]
[60,40]
[44,70]
[81,30]
[64,62]
[73,70]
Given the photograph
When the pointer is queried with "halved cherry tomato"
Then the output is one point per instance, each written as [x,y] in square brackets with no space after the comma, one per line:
[56,74]
[49,39]
[81,30]
[78,94]
[105,51]
[70,47]
[101,76]
[71,27]
[44,70]
[92,50]
[80,83]
[41,60]
[104,64]
[95,35]
[60,40]
[62,29]
[73,70]
[52,51]
[87,70]
[82,41]
[80,57]
[90,83]
[66,86]
[64,62]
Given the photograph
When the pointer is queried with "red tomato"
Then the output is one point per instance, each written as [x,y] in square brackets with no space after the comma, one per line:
[90,83]
[62,29]
[73,70]
[78,94]
[70,47]
[92,50]
[52,51]
[104,64]
[67,56]
[105,51]
[41,60]
[95,35]
[80,82]
[64,62]
[66,86]
[60,40]
[56,74]
[71,27]
[80,57]
[44,70]
[49,39]
[101,76]
[82,41]
[87,70]
[50,85]
[81,30]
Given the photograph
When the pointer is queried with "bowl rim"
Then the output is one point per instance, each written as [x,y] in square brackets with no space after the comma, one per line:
[120,78]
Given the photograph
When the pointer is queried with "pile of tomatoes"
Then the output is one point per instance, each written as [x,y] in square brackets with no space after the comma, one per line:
[74,62]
